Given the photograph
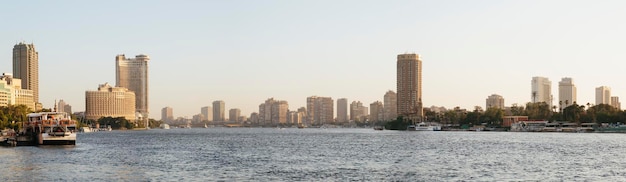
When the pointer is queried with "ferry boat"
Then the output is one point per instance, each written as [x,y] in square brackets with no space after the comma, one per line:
[421,127]
[164,126]
[52,128]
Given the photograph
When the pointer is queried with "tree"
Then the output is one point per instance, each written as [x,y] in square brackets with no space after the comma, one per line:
[517,110]
[538,111]
[493,116]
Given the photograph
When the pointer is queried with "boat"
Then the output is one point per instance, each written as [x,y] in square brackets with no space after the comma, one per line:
[379,127]
[421,127]
[164,126]
[52,128]
[205,126]
[611,129]
[424,127]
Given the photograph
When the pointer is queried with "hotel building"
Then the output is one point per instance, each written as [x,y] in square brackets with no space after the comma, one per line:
[110,101]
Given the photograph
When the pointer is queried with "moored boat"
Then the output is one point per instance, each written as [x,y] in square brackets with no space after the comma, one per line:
[52,128]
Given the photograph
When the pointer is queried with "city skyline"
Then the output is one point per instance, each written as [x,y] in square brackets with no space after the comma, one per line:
[469,49]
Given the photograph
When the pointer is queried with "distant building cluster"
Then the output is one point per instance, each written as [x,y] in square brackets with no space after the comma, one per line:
[131,76]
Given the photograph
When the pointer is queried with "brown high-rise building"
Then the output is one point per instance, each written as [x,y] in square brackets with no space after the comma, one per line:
[26,67]
[110,101]
[409,85]
[133,75]
[319,110]
[273,112]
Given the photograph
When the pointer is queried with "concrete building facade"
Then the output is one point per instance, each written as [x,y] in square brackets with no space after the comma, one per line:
[376,112]
[207,113]
[219,109]
[409,85]
[495,101]
[390,106]
[319,110]
[233,115]
[342,110]
[110,101]
[567,93]
[357,111]
[603,95]
[615,102]
[541,90]
[273,112]
[12,92]
[133,75]
[26,67]
[63,107]
[167,114]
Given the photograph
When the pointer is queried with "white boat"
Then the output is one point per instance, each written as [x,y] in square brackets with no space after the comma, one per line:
[54,128]
[421,127]
[424,127]
[164,126]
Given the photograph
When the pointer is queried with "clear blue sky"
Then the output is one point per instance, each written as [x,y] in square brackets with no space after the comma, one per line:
[244,52]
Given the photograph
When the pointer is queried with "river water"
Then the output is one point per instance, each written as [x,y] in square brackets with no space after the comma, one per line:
[267,154]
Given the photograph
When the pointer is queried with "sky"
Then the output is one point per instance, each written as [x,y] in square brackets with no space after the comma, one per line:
[245,51]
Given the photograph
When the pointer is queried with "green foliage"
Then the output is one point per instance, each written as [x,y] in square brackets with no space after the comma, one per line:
[154,123]
[398,124]
[115,123]
[11,116]
[538,111]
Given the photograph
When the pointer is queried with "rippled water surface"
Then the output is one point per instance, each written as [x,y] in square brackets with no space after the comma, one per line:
[265,154]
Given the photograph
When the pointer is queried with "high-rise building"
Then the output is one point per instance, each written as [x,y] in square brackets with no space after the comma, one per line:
[409,85]
[280,111]
[219,109]
[167,114]
[541,90]
[303,113]
[26,67]
[295,117]
[376,111]
[356,111]
[254,118]
[495,101]
[319,110]
[233,114]
[12,92]
[207,113]
[110,101]
[342,110]
[603,95]
[63,107]
[615,102]
[133,75]
[273,111]
[390,106]
[567,93]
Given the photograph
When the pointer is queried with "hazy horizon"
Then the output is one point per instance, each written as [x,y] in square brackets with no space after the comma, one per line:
[244,52]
